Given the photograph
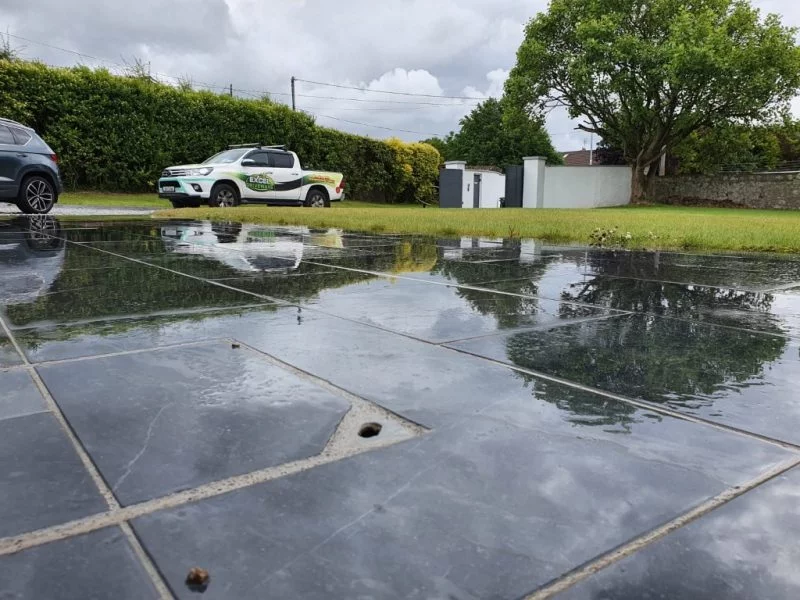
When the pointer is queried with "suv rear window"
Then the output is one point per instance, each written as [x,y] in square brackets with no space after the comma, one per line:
[281,160]
[6,136]
[21,136]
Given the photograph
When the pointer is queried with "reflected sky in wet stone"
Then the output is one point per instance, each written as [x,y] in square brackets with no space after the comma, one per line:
[746,549]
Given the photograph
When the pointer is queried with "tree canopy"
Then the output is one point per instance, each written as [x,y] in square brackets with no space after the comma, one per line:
[646,74]
[486,138]
[738,147]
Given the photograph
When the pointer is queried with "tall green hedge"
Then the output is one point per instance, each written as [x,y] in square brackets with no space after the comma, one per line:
[118,133]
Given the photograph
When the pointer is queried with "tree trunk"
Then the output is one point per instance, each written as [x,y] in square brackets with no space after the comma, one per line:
[643,183]
[638,185]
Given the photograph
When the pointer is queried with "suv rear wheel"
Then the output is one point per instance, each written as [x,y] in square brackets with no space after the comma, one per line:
[36,195]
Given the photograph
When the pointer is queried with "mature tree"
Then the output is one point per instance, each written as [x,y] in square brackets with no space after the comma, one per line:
[728,147]
[606,154]
[486,138]
[645,74]
[740,147]
[443,145]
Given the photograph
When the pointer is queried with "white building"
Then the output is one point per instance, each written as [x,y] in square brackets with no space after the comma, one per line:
[542,186]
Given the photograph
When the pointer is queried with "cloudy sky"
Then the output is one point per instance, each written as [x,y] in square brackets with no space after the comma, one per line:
[444,49]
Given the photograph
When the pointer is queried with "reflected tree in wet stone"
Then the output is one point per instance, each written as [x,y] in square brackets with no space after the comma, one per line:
[721,305]
[657,359]
[584,408]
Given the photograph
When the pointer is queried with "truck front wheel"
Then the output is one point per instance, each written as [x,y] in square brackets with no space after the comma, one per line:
[317,199]
[224,196]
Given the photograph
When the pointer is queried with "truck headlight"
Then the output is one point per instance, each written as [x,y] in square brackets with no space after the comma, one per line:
[204,171]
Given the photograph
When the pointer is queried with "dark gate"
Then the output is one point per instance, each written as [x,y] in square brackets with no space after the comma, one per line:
[515,178]
[451,184]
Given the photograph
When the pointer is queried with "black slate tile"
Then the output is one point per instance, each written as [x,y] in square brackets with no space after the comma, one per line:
[745,549]
[777,313]
[491,507]
[85,292]
[163,421]
[739,378]
[42,482]
[97,565]
[8,354]
[19,396]
[439,313]
[303,284]
[92,338]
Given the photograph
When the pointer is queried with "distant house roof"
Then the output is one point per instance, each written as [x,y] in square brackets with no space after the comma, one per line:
[579,158]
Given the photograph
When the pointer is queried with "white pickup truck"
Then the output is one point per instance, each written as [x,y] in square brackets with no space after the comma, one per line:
[251,174]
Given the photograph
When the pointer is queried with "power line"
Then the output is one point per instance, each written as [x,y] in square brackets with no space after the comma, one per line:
[360,89]
[377,126]
[360,109]
[225,87]
[381,101]
[257,94]
[111,62]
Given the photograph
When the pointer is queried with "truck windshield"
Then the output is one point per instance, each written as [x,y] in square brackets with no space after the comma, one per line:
[226,157]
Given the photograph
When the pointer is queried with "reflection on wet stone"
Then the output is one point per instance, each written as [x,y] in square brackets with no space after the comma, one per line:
[741,378]
[518,480]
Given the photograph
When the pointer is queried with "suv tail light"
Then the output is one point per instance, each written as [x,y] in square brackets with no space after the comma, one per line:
[54,158]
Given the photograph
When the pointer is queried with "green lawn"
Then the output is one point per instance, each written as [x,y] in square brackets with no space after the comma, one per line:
[651,227]
[112,200]
[665,227]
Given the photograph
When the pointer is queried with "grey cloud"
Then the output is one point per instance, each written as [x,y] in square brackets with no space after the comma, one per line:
[259,45]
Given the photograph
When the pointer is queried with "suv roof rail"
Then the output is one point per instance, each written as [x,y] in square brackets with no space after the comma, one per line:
[10,122]
[278,147]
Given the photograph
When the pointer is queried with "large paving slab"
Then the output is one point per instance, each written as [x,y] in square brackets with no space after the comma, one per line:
[164,421]
[20,396]
[439,313]
[776,312]
[740,378]
[746,549]
[494,506]
[42,482]
[86,292]
[97,565]
[8,354]
[127,333]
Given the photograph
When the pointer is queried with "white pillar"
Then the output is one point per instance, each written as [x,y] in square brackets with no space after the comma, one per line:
[456,164]
[533,187]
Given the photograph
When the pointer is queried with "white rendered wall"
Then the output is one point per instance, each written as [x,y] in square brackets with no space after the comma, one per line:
[586,187]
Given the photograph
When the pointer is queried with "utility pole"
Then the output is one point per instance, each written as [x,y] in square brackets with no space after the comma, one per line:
[294,104]
[231,90]
[591,150]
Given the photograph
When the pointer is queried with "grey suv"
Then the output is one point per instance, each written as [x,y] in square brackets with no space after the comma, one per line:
[29,175]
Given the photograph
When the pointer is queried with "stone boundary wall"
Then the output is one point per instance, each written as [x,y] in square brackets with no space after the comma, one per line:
[745,190]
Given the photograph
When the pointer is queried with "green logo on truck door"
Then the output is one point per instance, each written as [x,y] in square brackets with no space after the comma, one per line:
[260,182]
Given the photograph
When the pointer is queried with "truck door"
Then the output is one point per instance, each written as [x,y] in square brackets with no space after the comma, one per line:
[287,175]
[257,177]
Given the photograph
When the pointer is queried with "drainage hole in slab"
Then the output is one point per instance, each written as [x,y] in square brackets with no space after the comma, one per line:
[370,430]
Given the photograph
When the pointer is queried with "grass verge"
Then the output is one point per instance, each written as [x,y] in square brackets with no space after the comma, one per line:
[650,227]
[112,200]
